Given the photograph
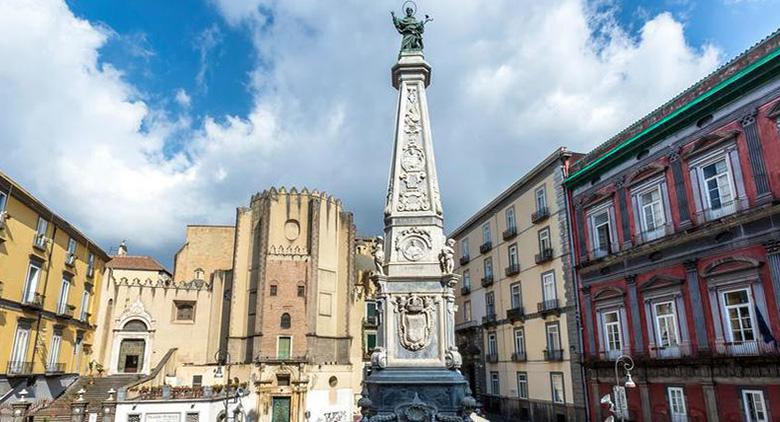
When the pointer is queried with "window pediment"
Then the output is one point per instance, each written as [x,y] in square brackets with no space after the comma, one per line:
[709,141]
[608,293]
[658,282]
[774,111]
[729,265]
[602,195]
[645,172]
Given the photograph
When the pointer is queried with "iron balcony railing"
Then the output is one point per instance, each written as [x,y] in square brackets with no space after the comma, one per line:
[544,255]
[515,314]
[490,319]
[19,368]
[491,357]
[745,348]
[540,215]
[510,232]
[36,301]
[55,368]
[465,325]
[487,280]
[657,233]
[512,269]
[486,247]
[600,252]
[548,306]
[553,354]
[464,290]
[464,259]
[519,357]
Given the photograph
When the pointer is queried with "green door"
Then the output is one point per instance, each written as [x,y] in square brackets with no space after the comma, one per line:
[281,411]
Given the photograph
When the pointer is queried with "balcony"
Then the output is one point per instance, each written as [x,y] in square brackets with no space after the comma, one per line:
[55,368]
[540,215]
[491,357]
[516,314]
[489,319]
[544,256]
[19,368]
[600,252]
[486,247]
[464,259]
[510,232]
[519,357]
[464,290]
[371,321]
[40,241]
[487,280]
[745,348]
[66,311]
[70,259]
[669,352]
[553,355]
[551,306]
[512,269]
[657,233]
[466,325]
[90,271]
[33,302]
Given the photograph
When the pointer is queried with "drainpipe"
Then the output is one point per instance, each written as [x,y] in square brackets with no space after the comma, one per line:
[575,285]
[43,296]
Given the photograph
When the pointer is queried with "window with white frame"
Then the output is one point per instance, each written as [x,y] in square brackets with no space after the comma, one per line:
[514,261]
[544,240]
[467,278]
[549,291]
[467,311]
[486,238]
[510,218]
[677,409]
[541,199]
[31,284]
[464,247]
[522,385]
[650,206]
[40,232]
[556,382]
[19,352]
[520,341]
[755,406]
[62,303]
[738,308]
[70,258]
[516,295]
[54,353]
[494,384]
[601,231]
[612,332]
[85,305]
[3,201]
[492,344]
[371,312]
[666,328]
[553,337]
[717,183]
[490,303]
[90,264]
[487,266]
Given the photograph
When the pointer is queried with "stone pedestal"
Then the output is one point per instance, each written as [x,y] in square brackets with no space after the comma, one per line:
[78,411]
[19,410]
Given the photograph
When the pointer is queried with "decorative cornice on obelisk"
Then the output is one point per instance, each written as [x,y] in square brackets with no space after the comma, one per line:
[414,234]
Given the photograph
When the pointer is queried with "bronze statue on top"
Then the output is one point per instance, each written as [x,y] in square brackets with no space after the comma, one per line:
[411,29]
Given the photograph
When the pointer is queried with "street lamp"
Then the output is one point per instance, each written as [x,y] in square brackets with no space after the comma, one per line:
[619,407]
[223,359]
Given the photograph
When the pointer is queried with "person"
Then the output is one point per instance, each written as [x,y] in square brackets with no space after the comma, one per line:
[411,29]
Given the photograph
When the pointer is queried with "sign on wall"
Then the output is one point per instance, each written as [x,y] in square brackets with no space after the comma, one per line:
[162,417]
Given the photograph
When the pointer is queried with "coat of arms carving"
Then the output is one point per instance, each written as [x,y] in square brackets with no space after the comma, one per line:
[416,316]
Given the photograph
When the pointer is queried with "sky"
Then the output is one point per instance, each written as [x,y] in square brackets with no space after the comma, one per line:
[132,119]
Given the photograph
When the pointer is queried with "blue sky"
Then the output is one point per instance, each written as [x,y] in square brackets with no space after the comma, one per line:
[162,114]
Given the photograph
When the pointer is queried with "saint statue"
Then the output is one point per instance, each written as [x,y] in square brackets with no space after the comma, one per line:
[411,29]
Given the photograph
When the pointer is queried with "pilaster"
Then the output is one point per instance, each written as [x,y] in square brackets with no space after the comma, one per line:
[773,257]
[588,312]
[680,190]
[636,323]
[692,277]
[756,156]
[711,402]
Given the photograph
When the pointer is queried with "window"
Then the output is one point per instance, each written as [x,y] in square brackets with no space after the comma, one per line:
[90,264]
[553,337]
[514,263]
[62,303]
[541,199]
[70,258]
[197,380]
[494,384]
[522,385]
[718,187]
[133,418]
[490,303]
[371,312]
[301,290]
[464,248]
[273,290]
[370,342]
[467,311]
[487,265]
[77,352]
[548,286]
[54,353]
[85,305]
[612,332]
[510,219]
[135,325]
[755,406]
[520,341]
[652,217]
[282,380]
[283,347]
[516,295]
[739,315]
[601,232]
[486,238]
[677,404]
[556,382]
[666,329]
[3,201]
[192,416]
[492,344]
[185,311]
[19,352]
[40,233]
[467,279]
[31,286]
[285,321]
[544,240]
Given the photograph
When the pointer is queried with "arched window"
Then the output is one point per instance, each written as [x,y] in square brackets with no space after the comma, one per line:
[285,323]
[135,325]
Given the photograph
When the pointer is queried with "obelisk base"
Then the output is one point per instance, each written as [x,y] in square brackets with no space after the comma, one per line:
[416,395]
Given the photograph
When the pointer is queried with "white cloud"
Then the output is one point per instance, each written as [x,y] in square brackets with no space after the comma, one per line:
[182,98]
[511,81]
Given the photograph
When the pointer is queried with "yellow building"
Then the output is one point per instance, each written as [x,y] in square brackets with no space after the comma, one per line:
[50,274]
[516,319]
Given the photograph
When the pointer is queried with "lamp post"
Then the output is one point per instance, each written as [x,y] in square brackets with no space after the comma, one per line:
[619,407]
[223,359]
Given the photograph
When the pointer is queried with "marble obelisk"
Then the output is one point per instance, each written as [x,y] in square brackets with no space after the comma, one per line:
[414,374]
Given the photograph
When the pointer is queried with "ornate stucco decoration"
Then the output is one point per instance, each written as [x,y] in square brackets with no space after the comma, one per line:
[414,243]
[416,319]
[135,310]
[414,189]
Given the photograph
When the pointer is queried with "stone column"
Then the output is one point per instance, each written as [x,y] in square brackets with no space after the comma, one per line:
[692,274]
[773,255]
[679,189]
[756,156]
[710,402]
[636,324]
[109,407]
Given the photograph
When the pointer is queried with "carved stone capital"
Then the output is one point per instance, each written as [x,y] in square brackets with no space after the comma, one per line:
[631,279]
[691,264]
[772,247]
[674,154]
[620,182]
[748,119]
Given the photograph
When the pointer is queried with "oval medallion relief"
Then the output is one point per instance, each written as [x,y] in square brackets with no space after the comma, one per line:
[292,230]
